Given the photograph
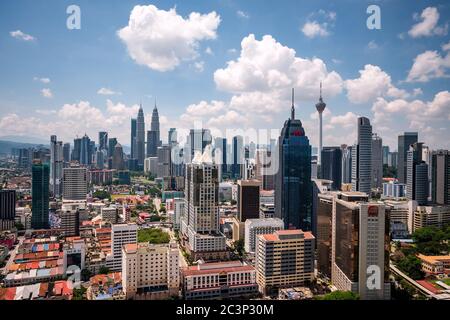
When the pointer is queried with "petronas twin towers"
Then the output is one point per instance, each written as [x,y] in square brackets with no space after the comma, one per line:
[138,150]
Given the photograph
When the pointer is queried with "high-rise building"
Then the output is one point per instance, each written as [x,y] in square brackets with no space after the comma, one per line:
[440,173]
[112,142]
[255,227]
[40,177]
[265,168]
[154,126]
[133,138]
[25,158]
[150,270]
[324,214]
[293,187]
[346,163]
[70,222]
[404,141]
[75,183]
[7,209]
[118,162]
[172,138]
[220,155]
[238,157]
[320,106]
[152,144]
[331,166]
[56,166]
[102,140]
[76,152]
[385,155]
[121,235]
[197,141]
[430,216]
[66,153]
[393,160]
[248,199]
[377,161]
[200,221]
[86,151]
[360,246]
[416,175]
[164,163]
[140,137]
[284,259]
[362,157]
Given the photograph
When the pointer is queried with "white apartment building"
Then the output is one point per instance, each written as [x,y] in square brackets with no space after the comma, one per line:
[255,227]
[74,183]
[150,271]
[121,234]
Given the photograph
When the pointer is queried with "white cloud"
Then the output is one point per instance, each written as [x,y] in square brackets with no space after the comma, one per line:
[347,120]
[161,39]
[46,93]
[313,29]
[242,14]
[199,66]
[209,51]
[108,92]
[372,45]
[428,25]
[204,108]
[372,83]
[446,47]
[43,80]
[22,36]
[429,65]
[267,66]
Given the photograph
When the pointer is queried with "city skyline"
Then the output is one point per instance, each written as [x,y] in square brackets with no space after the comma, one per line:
[403,69]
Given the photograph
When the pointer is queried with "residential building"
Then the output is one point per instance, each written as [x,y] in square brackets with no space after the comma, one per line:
[121,234]
[362,157]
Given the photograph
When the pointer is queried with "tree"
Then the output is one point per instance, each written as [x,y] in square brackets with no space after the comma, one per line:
[154,236]
[340,295]
[238,247]
[102,194]
[78,294]
[86,274]
[103,270]
[412,266]
[233,202]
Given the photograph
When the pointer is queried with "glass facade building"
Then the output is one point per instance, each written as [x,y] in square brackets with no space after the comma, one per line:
[40,196]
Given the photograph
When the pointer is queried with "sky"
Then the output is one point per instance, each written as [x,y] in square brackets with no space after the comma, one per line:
[227,64]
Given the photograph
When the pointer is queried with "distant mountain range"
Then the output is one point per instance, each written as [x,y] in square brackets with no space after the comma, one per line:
[28,140]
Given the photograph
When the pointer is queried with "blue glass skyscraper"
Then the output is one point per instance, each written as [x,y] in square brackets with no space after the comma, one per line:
[293,189]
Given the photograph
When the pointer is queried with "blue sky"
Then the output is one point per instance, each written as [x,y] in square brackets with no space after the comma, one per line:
[51,76]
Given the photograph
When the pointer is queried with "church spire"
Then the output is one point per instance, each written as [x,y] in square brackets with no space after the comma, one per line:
[292,108]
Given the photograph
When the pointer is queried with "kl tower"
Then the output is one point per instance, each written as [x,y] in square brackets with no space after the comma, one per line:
[320,106]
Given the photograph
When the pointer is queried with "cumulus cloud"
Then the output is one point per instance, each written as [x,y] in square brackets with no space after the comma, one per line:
[161,39]
[46,93]
[107,92]
[428,24]
[318,23]
[22,36]
[430,65]
[43,80]
[372,83]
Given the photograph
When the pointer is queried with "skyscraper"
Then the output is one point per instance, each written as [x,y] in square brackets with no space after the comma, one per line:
[362,157]
[66,152]
[40,177]
[56,166]
[133,138]
[440,177]
[111,146]
[118,162]
[346,163]
[76,152]
[75,183]
[86,151]
[154,126]
[140,137]
[320,106]
[416,175]
[102,140]
[377,161]
[385,154]
[220,155]
[197,141]
[331,168]
[293,187]
[404,141]
[7,209]
[238,157]
[248,199]
[172,136]
[152,143]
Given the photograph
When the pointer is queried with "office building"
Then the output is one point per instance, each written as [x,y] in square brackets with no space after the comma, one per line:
[75,183]
[399,218]
[394,190]
[360,246]
[152,144]
[76,152]
[377,162]
[238,157]
[66,153]
[86,151]
[103,141]
[220,155]
[393,160]
[440,177]
[255,227]
[112,142]
[293,187]
[220,280]
[197,141]
[133,136]
[110,214]
[324,214]
[56,166]
[100,177]
[172,137]
[70,223]
[416,175]
[385,156]
[346,164]
[7,209]
[40,176]
[154,126]
[151,166]
[200,221]
[140,137]
[320,186]
[362,157]
[331,166]
[404,141]
[266,210]
[284,259]
[431,216]
[164,161]
[121,234]
[248,199]
[150,271]
[118,162]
